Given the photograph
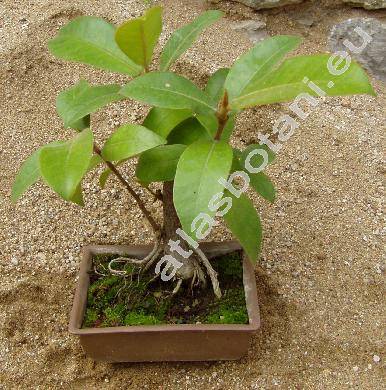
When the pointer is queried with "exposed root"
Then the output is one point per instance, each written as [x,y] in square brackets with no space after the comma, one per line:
[193,281]
[211,272]
[153,258]
[193,270]
[178,286]
[117,272]
[144,263]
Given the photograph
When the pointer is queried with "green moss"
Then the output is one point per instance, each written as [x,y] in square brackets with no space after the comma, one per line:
[90,318]
[113,315]
[230,309]
[227,317]
[139,300]
[230,266]
[135,318]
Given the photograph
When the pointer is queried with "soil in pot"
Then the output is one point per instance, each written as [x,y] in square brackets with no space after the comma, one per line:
[142,300]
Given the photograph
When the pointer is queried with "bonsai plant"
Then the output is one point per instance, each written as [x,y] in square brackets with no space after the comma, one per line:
[183,142]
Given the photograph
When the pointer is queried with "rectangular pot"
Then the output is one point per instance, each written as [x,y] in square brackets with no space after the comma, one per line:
[186,342]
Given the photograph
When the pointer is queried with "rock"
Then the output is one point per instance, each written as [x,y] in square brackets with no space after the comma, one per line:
[254,29]
[368,4]
[305,20]
[376,358]
[373,56]
[260,4]
[14,261]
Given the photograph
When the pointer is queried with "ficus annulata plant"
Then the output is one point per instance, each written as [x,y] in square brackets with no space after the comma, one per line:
[183,142]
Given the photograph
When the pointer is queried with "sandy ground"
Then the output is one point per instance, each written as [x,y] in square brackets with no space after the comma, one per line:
[320,277]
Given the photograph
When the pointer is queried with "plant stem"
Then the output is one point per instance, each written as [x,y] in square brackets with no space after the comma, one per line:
[139,201]
[222,115]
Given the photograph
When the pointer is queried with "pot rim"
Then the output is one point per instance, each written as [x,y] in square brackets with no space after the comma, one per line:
[211,249]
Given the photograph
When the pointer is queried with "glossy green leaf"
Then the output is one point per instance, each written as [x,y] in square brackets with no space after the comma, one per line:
[128,141]
[229,127]
[163,120]
[168,90]
[200,167]
[138,37]
[159,164]
[76,103]
[257,160]
[183,38]
[259,61]
[287,82]
[187,132]
[209,122]
[81,124]
[215,86]
[63,166]
[94,162]
[260,182]
[244,222]
[28,175]
[91,41]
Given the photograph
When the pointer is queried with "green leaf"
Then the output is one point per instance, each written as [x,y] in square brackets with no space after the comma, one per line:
[187,132]
[76,103]
[159,164]
[168,90]
[103,177]
[286,82]
[128,141]
[257,160]
[209,122]
[215,86]
[260,182]
[229,127]
[183,38]
[200,167]
[91,41]
[63,166]
[77,198]
[254,65]
[244,222]
[138,37]
[163,120]
[81,124]
[94,162]
[28,175]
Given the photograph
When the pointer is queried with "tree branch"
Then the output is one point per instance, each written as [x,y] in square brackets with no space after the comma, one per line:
[139,201]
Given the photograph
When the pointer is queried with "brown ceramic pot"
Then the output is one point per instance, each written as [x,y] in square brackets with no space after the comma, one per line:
[186,342]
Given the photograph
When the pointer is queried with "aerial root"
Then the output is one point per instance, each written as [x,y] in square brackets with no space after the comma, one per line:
[211,272]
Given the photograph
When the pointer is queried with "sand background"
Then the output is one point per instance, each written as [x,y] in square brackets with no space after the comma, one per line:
[320,277]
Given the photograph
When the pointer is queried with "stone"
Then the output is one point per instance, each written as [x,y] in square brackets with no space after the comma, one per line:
[261,4]
[376,359]
[367,4]
[373,56]
[254,29]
